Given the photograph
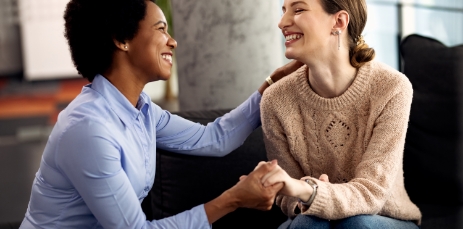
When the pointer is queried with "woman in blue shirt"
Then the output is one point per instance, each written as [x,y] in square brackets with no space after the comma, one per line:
[99,162]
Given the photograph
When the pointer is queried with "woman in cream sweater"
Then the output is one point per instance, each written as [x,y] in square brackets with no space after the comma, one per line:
[337,125]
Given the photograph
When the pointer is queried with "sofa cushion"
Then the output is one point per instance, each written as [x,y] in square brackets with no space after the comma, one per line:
[433,164]
[184,181]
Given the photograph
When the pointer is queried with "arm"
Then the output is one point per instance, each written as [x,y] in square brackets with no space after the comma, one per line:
[91,161]
[220,137]
[277,147]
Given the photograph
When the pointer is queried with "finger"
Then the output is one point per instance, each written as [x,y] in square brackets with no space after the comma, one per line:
[259,164]
[299,205]
[264,169]
[324,178]
[277,187]
[270,174]
[293,66]
[280,177]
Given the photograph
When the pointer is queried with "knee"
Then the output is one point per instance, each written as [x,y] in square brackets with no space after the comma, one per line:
[307,221]
[357,222]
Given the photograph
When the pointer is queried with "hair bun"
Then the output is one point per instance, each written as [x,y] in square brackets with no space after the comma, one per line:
[361,53]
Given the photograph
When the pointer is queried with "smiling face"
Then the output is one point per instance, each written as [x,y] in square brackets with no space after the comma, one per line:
[150,51]
[306,27]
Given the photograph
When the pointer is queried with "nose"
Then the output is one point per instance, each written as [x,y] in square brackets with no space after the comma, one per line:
[285,21]
[172,43]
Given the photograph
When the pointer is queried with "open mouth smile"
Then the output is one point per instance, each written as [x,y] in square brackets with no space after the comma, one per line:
[167,57]
[291,38]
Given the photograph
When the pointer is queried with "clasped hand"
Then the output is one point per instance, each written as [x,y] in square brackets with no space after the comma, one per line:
[291,187]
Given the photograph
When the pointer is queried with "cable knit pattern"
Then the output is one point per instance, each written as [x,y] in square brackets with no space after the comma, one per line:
[357,139]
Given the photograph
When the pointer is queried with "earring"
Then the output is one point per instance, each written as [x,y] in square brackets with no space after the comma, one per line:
[125,46]
[337,33]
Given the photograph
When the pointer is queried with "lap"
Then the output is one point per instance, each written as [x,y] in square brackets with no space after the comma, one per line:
[357,222]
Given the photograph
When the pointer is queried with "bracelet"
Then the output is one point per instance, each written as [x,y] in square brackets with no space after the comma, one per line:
[312,197]
[269,80]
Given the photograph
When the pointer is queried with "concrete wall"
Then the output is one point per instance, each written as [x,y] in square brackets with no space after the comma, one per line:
[226,48]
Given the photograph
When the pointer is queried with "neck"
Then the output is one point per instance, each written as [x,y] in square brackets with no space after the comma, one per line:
[332,76]
[125,80]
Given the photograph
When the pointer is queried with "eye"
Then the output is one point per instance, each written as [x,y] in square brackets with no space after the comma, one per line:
[298,11]
[163,29]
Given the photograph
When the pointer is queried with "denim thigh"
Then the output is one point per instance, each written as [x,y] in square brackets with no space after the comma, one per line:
[372,221]
[354,222]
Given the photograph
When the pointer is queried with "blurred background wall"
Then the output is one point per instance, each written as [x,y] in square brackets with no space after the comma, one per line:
[225,50]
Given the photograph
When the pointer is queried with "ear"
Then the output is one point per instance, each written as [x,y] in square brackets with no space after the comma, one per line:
[341,21]
[123,46]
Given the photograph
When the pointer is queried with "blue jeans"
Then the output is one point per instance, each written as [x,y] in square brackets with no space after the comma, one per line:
[354,222]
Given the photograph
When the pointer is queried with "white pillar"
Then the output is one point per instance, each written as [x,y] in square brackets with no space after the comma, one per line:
[226,49]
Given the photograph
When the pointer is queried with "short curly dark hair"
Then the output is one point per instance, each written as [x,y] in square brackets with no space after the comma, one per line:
[91,26]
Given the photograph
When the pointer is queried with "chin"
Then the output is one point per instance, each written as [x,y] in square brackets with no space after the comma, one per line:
[165,77]
[290,55]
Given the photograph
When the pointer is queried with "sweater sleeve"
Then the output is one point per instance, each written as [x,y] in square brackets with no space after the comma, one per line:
[379,168]
[277,147]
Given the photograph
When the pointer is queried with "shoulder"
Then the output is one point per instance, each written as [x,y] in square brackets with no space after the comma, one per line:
[387,80]
[283,91]
[88,113]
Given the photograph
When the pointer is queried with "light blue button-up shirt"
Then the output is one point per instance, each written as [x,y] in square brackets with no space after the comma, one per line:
[100,159]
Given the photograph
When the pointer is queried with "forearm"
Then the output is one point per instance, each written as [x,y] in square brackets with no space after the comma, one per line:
[220,206]
[217,138]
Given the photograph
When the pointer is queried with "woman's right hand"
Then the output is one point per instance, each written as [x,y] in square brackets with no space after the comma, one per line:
[281,72]
[292,187]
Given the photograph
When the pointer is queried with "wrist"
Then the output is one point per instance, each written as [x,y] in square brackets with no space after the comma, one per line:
[230,200]
[220,206]
[309,197]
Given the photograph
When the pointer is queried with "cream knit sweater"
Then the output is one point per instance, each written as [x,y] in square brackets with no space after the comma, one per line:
[357,139]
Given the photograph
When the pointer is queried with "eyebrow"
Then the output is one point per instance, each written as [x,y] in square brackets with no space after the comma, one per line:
[293,3]
[159,22]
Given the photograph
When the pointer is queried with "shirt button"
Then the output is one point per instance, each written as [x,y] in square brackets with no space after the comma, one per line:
[147,189]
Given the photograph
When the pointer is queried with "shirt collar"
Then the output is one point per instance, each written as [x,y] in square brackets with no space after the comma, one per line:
[118,102]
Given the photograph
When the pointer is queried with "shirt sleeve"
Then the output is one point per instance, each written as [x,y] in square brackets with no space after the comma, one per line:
[217,138]
[91,160]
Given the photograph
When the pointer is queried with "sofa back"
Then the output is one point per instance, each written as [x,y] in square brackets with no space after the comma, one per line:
[433,157]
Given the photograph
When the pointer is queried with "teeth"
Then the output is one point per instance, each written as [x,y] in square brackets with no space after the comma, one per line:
[293,36]
[167,57]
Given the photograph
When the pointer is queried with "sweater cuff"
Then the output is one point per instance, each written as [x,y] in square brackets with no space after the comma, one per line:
[318,206]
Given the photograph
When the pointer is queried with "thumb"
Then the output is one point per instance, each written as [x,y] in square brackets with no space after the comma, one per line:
[324,178]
